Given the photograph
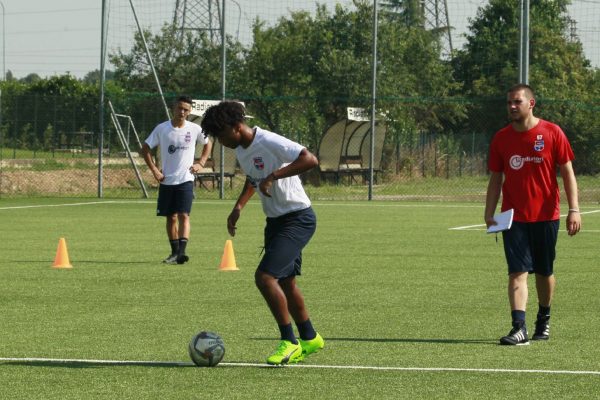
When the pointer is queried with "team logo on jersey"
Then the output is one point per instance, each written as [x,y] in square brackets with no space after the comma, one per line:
[259,164]
[538,145]
[188,137]
[517,161]
[172,148]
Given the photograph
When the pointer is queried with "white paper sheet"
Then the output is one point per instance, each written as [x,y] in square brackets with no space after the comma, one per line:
[503,221]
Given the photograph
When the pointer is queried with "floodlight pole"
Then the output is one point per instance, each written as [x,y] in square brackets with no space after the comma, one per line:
[101,105]
[3,42]
[373,99]
[524,43]
[3,80]
[223,96]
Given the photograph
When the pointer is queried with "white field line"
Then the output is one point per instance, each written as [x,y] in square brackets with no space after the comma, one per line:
[56,205]
[228,204]
[59,361]
[478,226]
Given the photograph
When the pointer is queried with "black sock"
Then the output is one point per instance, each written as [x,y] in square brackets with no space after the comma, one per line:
[174,246]
[518,318]
[306,330]
[287,333]
[182,245]
[543,313]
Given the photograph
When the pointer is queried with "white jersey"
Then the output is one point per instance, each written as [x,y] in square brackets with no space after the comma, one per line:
[269,152]
[177,148]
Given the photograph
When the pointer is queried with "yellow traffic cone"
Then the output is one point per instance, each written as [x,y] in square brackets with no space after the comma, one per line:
[228,259]
[62,256]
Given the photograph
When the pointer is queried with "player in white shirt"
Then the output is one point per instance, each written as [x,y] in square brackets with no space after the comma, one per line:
[177,139]
[272,164]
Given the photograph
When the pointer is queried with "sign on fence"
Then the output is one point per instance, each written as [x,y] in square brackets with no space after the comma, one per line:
[200,106]
[358,114]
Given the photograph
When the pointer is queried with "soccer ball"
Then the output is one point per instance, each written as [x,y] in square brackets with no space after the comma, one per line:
[206,349]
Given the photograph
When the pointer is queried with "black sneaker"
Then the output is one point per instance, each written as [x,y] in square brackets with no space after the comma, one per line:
[516,337]
[172,259]
[542,330]
[182,258]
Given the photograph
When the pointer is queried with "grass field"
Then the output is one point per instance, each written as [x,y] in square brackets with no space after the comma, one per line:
[409,307]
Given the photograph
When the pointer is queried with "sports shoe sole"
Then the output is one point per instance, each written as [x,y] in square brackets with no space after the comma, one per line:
[540,337]
[288,361]
[515,344]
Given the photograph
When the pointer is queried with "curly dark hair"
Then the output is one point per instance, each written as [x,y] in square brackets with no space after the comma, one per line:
[223,115]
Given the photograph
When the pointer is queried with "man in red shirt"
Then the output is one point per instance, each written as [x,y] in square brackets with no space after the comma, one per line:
[525,153]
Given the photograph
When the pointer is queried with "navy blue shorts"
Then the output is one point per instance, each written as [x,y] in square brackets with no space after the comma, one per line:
[531,247]
[174,199]
[285,237]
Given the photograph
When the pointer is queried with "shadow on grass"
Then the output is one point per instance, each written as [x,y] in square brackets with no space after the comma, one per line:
[82,364]
[95,363]
[414,340]
[403,340]
[49,262]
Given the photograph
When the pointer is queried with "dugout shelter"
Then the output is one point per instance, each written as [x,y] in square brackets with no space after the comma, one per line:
[345,148]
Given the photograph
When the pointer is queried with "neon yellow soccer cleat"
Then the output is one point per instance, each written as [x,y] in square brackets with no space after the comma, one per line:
[287,353]
[313,345]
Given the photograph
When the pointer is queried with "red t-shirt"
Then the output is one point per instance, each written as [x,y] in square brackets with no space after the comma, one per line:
[528,161]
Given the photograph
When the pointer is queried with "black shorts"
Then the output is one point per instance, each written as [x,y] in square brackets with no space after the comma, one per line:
[531,247]
[285,237]
[174,199]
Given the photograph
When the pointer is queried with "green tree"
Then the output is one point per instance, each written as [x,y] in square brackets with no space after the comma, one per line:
[309,69]
[93,77]
[408,12]
[64,102]
[488,65]
[31,78]
[187,62]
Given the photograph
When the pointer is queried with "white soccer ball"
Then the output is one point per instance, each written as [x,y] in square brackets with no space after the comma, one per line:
[206,349]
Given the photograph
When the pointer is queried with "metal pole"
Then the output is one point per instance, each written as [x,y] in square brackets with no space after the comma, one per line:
[3,43]
[150,59]
[524,43]
[101,105]
[223,95]
[373,99]
[3,80]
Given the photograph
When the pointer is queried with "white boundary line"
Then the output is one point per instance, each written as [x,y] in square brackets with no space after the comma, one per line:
[349,367]
[228,203]
[470,227]
[55,205]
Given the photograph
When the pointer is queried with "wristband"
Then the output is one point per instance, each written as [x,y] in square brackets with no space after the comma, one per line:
[573,210]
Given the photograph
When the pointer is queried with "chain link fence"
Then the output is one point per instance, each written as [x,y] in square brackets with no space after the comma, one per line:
[434,123]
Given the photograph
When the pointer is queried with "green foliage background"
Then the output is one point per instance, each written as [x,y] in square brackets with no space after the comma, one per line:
[298,75]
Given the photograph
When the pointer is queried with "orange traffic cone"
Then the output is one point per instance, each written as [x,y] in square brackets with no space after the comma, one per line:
[228,259]
[62,256]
